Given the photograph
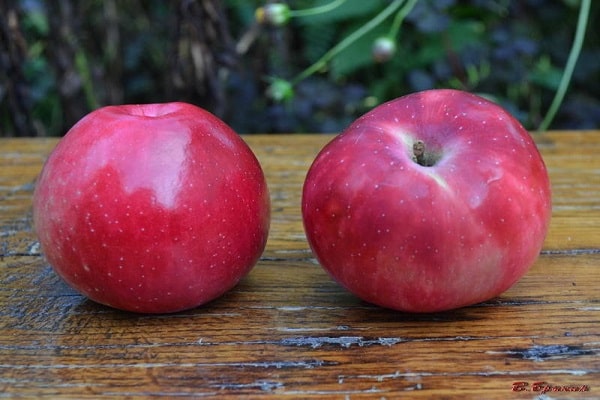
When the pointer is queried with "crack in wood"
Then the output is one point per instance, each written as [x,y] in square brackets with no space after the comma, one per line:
[541,353]
[570,252]
[360,341]
[301,364]
[263,385]
[424,374]
[343,341]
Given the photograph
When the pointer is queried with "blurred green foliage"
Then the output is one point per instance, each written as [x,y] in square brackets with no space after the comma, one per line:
[62,59]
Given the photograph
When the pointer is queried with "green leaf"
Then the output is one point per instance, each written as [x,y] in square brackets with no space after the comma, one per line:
[545,74]
[37,22]
[358,55]
[317,40]
[463,33]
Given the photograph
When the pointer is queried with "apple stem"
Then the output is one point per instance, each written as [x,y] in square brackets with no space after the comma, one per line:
[425,159]
[419,153]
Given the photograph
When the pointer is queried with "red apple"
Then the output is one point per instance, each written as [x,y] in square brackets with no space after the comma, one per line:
[152,208]
[430,202]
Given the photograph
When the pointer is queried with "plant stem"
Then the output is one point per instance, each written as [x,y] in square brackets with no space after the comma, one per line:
[320,63]
[316,10]
[584,12]
[404,11]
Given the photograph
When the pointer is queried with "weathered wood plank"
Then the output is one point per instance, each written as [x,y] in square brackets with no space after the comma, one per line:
[287,330]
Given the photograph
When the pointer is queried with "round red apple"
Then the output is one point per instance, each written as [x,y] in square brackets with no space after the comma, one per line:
[433,201]
[152,208]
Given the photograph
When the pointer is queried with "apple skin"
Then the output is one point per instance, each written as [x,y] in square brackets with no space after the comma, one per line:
[152,208]
[428,238]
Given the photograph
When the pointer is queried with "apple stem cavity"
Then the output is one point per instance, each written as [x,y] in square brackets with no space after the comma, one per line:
[421,157]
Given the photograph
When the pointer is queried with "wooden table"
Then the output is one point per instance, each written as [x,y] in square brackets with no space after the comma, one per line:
[288,331]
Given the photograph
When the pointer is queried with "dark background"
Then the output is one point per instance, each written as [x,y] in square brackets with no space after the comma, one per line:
[62,59]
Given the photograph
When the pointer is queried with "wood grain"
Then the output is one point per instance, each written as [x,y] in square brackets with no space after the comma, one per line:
[288,331]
